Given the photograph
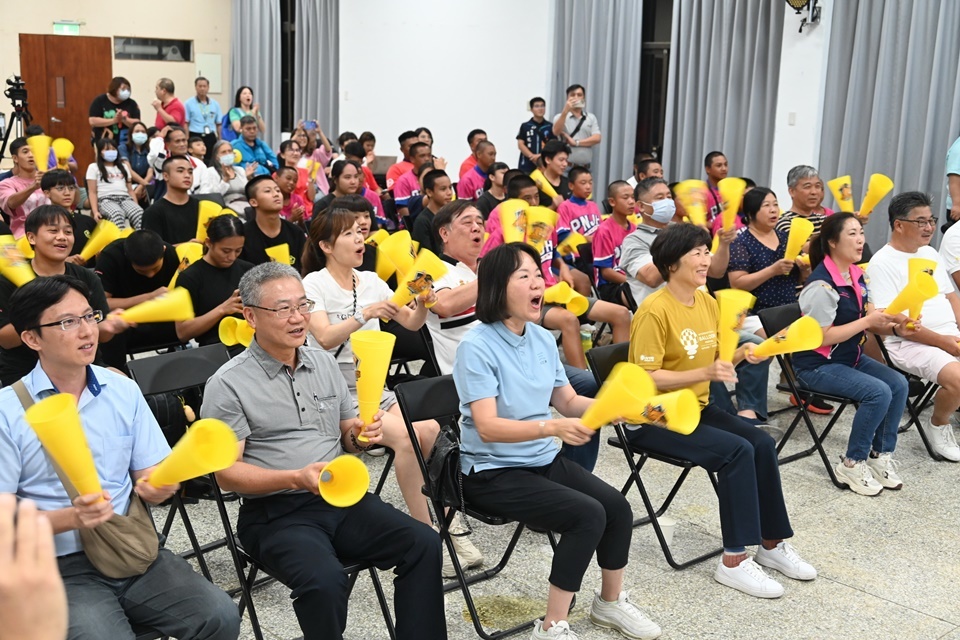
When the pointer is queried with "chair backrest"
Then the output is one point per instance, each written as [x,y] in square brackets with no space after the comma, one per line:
[212,197]
[429,399]
[603,359]
[776,319]
[413,345]
[178,370]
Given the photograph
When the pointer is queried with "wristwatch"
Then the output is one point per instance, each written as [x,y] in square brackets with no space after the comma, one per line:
[358,316]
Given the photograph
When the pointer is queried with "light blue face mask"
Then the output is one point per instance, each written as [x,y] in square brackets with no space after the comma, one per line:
[663,210]
[110,155]
[139,137]
[123,94]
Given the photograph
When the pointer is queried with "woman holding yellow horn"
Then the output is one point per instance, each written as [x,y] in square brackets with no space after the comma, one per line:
[837,296]
[508,373]
[675,337]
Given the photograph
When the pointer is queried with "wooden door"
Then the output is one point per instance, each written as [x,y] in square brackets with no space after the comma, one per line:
[63,74]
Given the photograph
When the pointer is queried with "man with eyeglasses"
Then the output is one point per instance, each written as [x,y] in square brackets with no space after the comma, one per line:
[933,352]
[55,319]
[292,412]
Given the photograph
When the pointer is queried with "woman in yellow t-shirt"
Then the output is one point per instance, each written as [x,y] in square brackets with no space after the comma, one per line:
[674,337]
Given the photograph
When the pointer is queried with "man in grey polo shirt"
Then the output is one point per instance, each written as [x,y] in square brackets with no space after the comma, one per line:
[577,128]
[293,413]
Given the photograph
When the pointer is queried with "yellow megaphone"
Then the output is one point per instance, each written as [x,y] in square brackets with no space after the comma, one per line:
[634,219]
[426,270]
[126,232]
[13,266]
[56,421]
[805,334]
[800,231]
[543,184]
[561,293]
[40,148]
[919,289]
[343,481]
[731,191]
[377,237]
[207,210]
[878,187]
[279,253]
[626,386]
[62,150]
[677,411]
[541,222]
[842,191]
[734,304]
[715,245]
[920,265]
[208,446]
[513,219]
[399,249]
[173,306]
[188,252]
[692,195]
[234,331]
[24,246]
[104,233]
[372,352]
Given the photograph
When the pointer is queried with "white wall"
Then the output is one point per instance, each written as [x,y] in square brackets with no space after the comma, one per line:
[803,64]
[448,65]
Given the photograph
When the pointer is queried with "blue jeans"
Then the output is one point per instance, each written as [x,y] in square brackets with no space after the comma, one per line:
[880,392]
[585,455]
[751,388]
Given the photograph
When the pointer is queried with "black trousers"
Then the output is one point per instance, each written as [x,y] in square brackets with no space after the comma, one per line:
[563,497]
[745,461]
[301,540]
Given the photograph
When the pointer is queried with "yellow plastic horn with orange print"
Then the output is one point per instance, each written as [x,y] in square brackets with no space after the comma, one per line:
[398,248]
[562,293]
[543,184]
[877,189]
[731,191]
[541,222]
[13,265]
[279,253]
[208,446]
[56,421]
[921,287]
[372,351]
[571,243]
[104,233]
[426,270]
[513,219]
[800,231]
[207,210]
[842,190]
[805,334]
[40,148]
[188,252]
[692,195]
[734,305]
[377,237]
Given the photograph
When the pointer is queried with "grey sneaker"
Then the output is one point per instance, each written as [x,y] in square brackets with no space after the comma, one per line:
[884,470]
[942,441]
[559,631]
[859,478]
[623,616]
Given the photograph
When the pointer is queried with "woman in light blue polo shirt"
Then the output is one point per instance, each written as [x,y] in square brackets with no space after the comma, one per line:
[508,373]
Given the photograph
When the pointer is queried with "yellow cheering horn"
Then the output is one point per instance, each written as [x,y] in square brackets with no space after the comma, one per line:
[399,249]
[377,237]
[279,253]
[233,331]
[426,270]
[173,306]
[207,210]
[208,446]
[372,352]
[677,411]
[104,233]
[731,191]
[561,293]
[541,222]
[543,184]
[344,481]
[800,231]
[626,386]
[126,232]
[56,421]
[920,265]
[24,246]
[188,252]
[805,334]
[877,188]
[62,150]
[692,195]
[40,148]
[513,219]
[919,289]
[734,305]
[13,265]
[842,190]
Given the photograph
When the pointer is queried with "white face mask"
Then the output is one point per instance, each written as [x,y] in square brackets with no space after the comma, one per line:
[110,155]
[124,94]
[226,160]
[139,137]
[663,210]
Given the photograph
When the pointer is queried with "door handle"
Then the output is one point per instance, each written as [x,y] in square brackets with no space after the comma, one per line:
[53,119]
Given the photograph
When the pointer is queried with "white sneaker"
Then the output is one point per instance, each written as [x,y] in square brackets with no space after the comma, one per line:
[884,470]
[376,452]
[785,559]
[942,441]
[749,578]
[859,478]
[469,555]
[558,631]
[623,616]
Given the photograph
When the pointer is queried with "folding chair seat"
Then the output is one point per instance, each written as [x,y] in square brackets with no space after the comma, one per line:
[774,320]
[248,570]
[920,396]
[436,399]
[602,360]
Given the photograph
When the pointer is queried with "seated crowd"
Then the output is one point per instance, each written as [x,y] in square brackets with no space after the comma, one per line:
[647,275]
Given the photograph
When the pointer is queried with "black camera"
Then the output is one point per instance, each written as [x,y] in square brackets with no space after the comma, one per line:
[17,91]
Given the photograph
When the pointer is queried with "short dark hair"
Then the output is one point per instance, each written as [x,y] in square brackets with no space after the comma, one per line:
[644,164]
[753,200]
[496,166]
[431,177]
[251,187]
[510,175]
[56,178]
[286,144]
[224,226]
[448,213]
[483,144]
[493,275]
[245,120]
[903,203]
[33,130]
[534,101]
[416,147]
[552,148]
[367,136]
[574,87]
[707,161]
[613,186]
[420,130]
[674,242]
[144,248]
[830,231]
[354,149]
[284,169]
[425,167]
[166,84]
[199,79]
[345,137]
[16,145]
[473,134]
[640,157]
[171,160]
[44,215]
[116,83]
[337,170]
[518,184]
[406,135]
[748,182]
[28,302]
[193,139]
[644,186]
[174,128]
[576,172]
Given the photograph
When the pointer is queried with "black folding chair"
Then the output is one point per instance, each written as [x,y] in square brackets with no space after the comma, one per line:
[602,360]
[920,396]
[177,372]
[436,399]
[248,571]
[411,346]
[774,320]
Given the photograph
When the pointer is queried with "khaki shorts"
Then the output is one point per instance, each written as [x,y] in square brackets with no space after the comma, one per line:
[919,359]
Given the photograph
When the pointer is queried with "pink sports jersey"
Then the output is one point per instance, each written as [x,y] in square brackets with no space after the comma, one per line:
[714,203]
[405,188]
[470,186]
[578,215]
[606,245]
[397,170]
[296,201]
[468,164]
[495,229]
[374,199]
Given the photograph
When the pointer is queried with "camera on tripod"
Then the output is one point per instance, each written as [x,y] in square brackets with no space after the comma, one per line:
[17,91]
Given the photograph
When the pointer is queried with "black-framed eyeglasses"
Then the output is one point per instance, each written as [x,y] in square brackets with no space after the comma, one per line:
[922,222]
[64,188]
[69,324]
[286,311]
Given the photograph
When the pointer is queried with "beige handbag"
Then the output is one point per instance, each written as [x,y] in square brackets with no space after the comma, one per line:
[121,547]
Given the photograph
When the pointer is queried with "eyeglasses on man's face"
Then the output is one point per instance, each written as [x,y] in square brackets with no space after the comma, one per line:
[922,222]
[285,311]
[73,322]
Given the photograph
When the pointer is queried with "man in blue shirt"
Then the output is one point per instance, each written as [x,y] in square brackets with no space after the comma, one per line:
[253,150]
[54,318]
[203,116]
[533,134]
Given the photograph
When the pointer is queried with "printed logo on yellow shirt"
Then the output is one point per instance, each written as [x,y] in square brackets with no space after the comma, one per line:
[690,342]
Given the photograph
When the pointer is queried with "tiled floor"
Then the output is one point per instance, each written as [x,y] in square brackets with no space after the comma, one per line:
[889,566]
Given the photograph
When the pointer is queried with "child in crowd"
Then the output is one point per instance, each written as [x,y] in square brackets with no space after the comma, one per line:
[196,147]
[579,214]
[294,207]
[109,188]
[611,279]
